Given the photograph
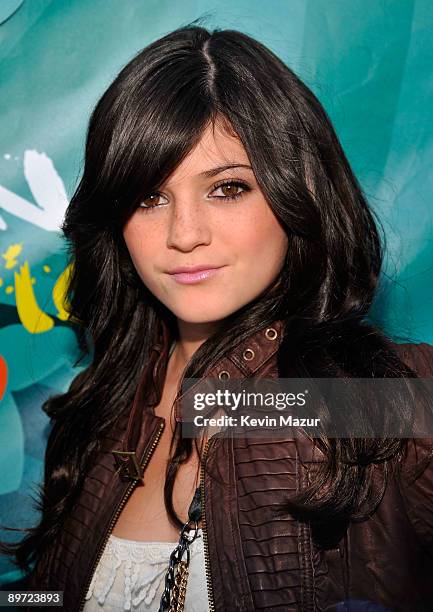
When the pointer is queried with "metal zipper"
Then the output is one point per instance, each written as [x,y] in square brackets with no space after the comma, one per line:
[203,518]
[144,461]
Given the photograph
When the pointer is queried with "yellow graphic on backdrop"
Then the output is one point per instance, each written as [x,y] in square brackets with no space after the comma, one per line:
[11,254]
[35,320]
[59,294]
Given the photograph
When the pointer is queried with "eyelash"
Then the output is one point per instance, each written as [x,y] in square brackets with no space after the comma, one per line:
[236,196]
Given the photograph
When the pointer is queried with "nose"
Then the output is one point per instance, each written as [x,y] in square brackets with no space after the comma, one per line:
[189,226]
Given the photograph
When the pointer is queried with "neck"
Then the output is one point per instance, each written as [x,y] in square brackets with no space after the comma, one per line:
[190,337]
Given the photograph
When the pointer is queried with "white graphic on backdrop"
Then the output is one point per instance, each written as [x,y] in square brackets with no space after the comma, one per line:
[48,191]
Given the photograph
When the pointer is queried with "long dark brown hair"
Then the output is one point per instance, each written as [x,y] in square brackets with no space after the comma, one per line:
[144,125]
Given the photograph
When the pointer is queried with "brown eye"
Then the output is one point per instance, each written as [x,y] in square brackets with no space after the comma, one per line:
[231,190]
[150,201]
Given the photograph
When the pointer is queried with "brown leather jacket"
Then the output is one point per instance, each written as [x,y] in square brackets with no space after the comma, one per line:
[255,560]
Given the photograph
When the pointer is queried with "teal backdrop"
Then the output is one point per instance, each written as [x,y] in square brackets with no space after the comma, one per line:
[368,61]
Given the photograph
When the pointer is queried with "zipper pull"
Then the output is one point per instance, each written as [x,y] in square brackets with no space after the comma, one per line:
[128,465]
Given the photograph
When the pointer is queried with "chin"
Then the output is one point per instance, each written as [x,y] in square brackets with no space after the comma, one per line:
[199,317]
[202,314]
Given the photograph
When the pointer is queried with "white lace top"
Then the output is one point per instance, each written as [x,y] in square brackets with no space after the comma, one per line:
[130,576]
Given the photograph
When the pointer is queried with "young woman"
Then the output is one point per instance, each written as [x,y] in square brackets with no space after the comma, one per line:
[218,231]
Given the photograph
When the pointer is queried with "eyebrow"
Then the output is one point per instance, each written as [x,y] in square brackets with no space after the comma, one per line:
[219,169]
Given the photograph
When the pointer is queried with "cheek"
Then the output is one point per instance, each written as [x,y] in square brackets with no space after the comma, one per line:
[263,241]
[139,244]
[131,234]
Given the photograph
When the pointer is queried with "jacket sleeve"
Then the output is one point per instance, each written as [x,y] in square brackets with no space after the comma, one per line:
[416,476]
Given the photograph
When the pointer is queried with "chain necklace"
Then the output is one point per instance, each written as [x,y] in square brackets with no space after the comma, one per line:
[176,577]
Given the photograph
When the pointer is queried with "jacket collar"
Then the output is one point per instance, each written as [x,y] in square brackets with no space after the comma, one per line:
[247,357]
[243,361]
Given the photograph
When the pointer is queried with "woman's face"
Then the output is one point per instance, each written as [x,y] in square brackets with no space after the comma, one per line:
[205,216]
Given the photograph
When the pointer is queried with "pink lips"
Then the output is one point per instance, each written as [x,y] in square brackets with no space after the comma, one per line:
[194,275]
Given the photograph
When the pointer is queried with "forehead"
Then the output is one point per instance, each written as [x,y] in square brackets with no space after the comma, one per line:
[216,147]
